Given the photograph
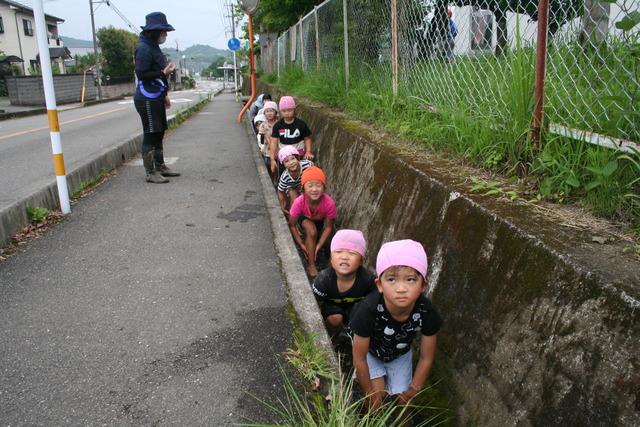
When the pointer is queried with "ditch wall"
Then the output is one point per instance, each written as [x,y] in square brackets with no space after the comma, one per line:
[541,323]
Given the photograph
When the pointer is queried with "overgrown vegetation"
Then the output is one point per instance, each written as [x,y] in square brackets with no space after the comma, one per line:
[304,406]
[561,170]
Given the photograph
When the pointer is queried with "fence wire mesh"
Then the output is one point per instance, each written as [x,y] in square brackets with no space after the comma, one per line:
[480,59]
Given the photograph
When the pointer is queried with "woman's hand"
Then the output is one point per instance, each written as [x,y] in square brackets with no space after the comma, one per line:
[169,68]
[308,156]
[167,102]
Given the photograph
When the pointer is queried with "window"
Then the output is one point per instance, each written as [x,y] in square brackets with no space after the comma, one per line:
[1,25]
[28,29]
[481,29]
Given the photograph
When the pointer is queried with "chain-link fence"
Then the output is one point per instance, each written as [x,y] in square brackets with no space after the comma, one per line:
[481,60]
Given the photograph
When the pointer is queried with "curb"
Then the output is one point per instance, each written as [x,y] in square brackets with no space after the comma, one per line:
[14,217]
[291,267]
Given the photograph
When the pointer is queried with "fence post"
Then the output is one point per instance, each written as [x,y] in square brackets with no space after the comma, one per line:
[315,12]
[302,58]
[541,70]
[346,43]
[394,45]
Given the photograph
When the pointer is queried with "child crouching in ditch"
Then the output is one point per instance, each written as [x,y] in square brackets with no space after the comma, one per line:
[314,212]
[384,324]
[289,185]
[340,286]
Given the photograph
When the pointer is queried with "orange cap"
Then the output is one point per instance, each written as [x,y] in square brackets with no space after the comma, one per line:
[313,173]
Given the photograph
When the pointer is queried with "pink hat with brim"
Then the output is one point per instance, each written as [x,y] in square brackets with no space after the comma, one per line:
[287,151]
[352,240]
[402,253]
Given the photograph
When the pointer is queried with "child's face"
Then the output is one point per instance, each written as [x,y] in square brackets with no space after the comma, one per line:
[270,113]
[291,163]
[345,261]
[288,114]
[314,189]
[401,286]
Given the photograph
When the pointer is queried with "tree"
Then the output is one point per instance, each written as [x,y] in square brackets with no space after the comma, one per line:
[118,49]
[279,15]
[82,63]
[213,68]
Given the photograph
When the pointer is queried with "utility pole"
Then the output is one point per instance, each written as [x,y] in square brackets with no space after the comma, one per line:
[95,51]
[235,65]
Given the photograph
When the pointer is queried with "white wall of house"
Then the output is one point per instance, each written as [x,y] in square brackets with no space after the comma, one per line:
[477,28]
[19,35]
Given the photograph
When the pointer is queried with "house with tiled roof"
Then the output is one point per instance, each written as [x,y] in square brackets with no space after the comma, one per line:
[18,42]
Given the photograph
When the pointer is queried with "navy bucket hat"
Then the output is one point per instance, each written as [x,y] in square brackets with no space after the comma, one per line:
[157,21]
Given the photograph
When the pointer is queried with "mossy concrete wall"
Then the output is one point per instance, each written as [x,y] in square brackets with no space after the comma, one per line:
[541,324]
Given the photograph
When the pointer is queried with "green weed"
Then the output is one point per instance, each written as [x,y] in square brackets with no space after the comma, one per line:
[37,214]
[303,406]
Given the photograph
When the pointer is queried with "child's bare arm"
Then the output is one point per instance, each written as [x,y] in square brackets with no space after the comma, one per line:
[282,198]
[308,154]
[326,232]
[274,156]
[423,368]
[293,227]
[360,349]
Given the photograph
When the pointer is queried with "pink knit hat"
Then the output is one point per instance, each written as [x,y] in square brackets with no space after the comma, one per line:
[402,253]
[352,240]
[287,151]
[287,103]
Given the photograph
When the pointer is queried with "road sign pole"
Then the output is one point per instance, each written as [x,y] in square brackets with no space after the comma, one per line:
[52,110]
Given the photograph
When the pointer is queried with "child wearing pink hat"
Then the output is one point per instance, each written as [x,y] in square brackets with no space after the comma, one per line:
[289,185]
[314,212]
[264,130]
[290,130]
[340,286]
[384,325]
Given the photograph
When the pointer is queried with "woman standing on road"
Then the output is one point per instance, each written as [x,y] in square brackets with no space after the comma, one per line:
[150,99]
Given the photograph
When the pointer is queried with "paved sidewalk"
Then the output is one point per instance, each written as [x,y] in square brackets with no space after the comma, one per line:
[152,304]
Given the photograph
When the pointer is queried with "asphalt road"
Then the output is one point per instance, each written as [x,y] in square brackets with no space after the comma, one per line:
[149,304]
[26,162]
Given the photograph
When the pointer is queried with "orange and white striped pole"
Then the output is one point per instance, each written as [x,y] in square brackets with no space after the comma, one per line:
[52,109]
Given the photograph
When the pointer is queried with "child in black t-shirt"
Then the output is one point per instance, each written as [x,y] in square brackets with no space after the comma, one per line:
[290,130]
[338,287]
[384,325]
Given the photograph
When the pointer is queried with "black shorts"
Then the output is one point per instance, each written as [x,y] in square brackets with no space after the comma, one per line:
[329,309]
[319,224]
[153,115]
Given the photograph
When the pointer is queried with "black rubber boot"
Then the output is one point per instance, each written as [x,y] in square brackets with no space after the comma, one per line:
[164,170]
[153,176]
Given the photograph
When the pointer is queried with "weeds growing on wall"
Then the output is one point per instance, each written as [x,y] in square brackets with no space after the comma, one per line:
[566,170]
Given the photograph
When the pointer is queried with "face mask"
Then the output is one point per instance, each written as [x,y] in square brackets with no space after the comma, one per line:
[162,39]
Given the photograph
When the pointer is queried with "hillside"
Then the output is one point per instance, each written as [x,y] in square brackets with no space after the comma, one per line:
[198,53]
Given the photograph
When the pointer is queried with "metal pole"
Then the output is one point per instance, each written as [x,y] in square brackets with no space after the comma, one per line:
[394,45]
[315,10]
[95,51]
[252,65]
[52,111]
[541,71]
[346,42]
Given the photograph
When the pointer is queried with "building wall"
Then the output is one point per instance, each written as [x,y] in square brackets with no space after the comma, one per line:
[14,41]
[29,90]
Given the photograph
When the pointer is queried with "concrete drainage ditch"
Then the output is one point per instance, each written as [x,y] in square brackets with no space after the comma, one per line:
[541,324]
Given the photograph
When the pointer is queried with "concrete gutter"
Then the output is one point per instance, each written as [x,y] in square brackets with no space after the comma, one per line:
[14,216]
[293,272]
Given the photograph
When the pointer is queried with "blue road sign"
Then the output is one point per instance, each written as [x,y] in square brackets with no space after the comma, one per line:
[233,43]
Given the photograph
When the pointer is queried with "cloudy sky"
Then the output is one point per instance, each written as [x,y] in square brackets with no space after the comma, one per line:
[195,21]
